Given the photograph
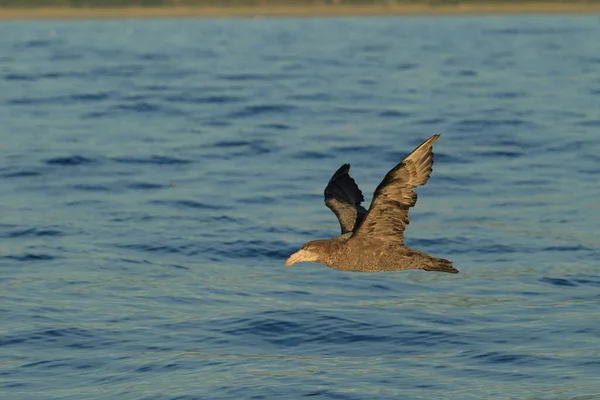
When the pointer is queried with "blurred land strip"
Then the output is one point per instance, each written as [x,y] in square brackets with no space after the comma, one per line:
[40,9]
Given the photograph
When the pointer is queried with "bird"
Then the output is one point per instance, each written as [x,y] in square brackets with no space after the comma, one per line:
[373,240]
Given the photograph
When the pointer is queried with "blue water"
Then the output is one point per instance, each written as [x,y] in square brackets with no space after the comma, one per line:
[156,174]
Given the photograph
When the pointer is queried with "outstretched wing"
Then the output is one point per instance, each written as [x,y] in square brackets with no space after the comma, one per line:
[388,215]
[343,197]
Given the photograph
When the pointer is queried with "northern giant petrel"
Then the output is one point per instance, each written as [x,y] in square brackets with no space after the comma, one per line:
[373,240]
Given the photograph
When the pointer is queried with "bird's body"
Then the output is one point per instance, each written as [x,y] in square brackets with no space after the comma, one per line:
[373,240]
[343,254]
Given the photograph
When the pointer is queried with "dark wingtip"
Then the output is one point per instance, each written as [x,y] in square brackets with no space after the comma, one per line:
[343,178]
[344,169]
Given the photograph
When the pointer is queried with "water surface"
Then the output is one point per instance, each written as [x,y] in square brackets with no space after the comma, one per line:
[156,174]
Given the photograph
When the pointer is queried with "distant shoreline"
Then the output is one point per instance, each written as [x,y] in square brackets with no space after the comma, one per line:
[299,11]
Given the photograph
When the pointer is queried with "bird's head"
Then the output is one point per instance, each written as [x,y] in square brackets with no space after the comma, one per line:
[313,251]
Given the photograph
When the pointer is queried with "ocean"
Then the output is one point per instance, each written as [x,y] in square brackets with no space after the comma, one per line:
[157,173]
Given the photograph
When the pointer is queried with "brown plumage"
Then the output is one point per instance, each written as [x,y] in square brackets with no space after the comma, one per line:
[373,240]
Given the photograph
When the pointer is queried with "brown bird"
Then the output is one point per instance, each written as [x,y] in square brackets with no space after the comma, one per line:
[373,241]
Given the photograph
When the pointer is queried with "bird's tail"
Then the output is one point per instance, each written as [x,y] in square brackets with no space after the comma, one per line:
[441,265]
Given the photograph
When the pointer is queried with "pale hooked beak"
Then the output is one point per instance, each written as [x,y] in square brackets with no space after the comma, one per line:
[299,256]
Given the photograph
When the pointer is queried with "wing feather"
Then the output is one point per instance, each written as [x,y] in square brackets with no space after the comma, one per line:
[388,214]
[343,197]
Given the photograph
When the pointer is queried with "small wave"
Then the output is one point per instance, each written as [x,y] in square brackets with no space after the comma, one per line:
[66,57]
[188,204]
[451,159]
[251,148]
[157,160]
[245,77]
[35,232]
[365,149]
[533,31]
[508,95]
[590,122]
[84,203]
[279,127]
[406,66]
[119,71]
[35,77]
[466,181]
[211,99]
[31,257]
[97,114]
[90,97]
[495,357]
[155,88]
[19,77]
[460,73]
[91,188]
[47,335]
[431,121]
[14,384]
[482,124]
[501,153]
[591,60]
[145,107]
[218,123]
[252,249]
[533,182]
[519,203]
[54,75]
[38,43]
[222,219]
[161,368]
[144,186]
[232,143]
[59,100]
[354,110]
[153,248]
[258,200]
[573,145]
[558,282]
[21,174]
[256,110]
[299,197]
[591,281]
[439,242]
[70,161]
[27,101]
[319,96]
[394,114]
[293,328]
[311,155]
[567,248]
[153,57]
[499,249]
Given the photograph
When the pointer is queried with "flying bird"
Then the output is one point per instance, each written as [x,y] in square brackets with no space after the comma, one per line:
[373,240]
